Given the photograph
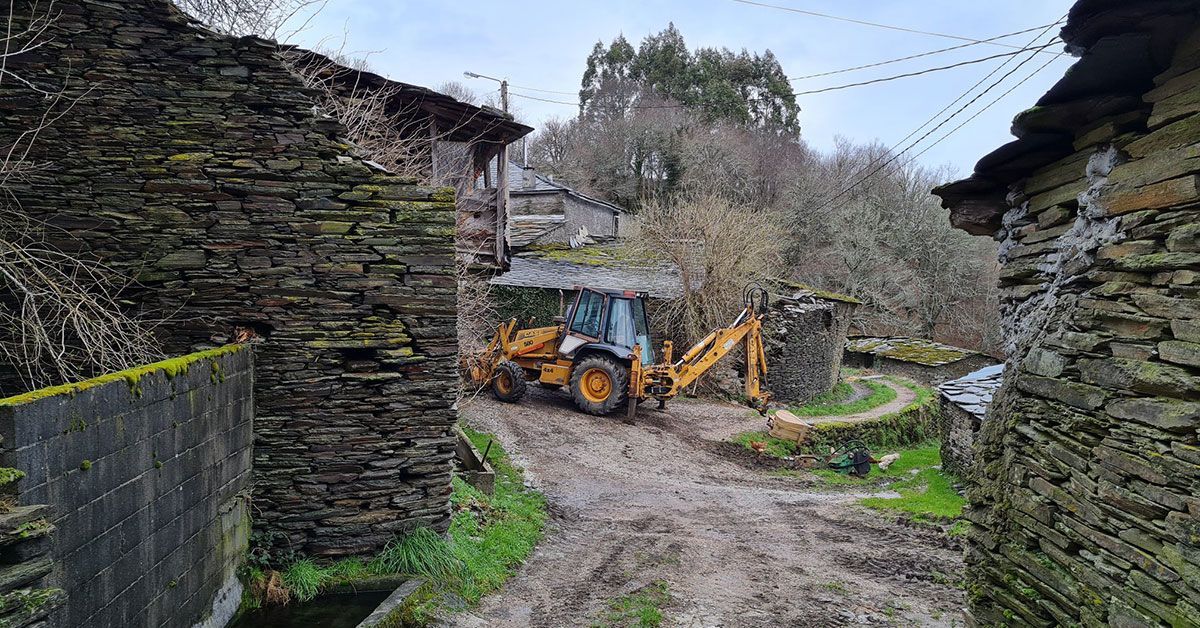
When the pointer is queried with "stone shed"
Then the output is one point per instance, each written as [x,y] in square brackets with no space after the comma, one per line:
[804,334]
[964,403]
[1084,494]
[194,161]
[925,361]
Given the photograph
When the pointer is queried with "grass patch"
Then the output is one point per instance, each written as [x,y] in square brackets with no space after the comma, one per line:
[641,609]
[490,535]
[926,492]
[775,447]
[830,404]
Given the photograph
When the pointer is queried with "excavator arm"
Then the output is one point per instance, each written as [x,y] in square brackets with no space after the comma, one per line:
[667,380]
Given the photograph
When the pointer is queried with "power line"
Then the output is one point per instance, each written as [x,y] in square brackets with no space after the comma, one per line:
[874,24]
[920,55]
[545,91]
[922,72]
[896,155]
[985,108]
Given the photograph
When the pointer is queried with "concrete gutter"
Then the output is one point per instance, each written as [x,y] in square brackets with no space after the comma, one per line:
[387,614]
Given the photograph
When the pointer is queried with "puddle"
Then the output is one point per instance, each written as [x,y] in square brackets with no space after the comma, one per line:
[339,610]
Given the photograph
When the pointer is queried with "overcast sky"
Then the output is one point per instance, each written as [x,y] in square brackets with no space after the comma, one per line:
[544,44]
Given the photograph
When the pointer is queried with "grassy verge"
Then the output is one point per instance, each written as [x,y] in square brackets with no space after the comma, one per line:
[833,403]
[489,536]
[926,492]
[642,608]
[775,447]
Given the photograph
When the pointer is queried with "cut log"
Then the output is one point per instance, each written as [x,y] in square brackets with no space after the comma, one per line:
[789,427]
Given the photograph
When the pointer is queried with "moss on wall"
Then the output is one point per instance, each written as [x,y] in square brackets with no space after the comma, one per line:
[172,368]
[522,303]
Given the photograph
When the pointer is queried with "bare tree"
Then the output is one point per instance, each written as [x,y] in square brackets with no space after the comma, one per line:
[274,19]
[60,313]
[719,246]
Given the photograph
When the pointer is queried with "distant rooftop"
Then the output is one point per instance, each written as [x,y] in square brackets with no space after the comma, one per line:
[974,392]
[790,289]
[600,266]
[915,350]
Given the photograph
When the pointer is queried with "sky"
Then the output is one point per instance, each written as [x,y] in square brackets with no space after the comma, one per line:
[544,44]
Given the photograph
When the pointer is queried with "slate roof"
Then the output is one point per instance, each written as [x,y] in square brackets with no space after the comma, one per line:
[973,392]
[1122,45]
[518,185]
[914,350]
[460,121]
[598,266]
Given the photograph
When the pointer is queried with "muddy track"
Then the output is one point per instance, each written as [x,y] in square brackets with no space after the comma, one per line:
[631,504]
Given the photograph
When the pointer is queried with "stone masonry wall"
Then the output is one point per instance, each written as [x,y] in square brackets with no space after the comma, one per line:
[956,431]
[1087,497]
[147,473]
[194,161]
[804,344]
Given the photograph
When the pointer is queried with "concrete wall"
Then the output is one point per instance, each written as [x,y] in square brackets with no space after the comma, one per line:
[146,472]
[804,348]
[195,162]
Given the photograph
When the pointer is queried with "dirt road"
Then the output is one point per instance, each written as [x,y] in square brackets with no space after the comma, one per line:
[632,504]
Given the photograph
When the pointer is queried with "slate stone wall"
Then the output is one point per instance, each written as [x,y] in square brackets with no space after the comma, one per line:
[956,430]
[195,162]
[804,344]
[147,473]
[1087,493]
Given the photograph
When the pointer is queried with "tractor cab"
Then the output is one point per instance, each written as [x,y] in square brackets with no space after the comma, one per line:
[608,321]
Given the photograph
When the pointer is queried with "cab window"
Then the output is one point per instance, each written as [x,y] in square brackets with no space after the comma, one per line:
[588,313]
[619,330]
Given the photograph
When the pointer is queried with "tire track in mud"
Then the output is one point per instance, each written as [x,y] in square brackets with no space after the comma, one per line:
[634,504]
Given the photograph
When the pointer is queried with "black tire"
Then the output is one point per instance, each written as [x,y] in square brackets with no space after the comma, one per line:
[508,382]
[590,402]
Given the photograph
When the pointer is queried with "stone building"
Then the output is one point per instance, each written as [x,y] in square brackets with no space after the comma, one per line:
[195,162]
[1084,494]
[437,138]
[542,212]
[925,361]
[964,403]
[803,336]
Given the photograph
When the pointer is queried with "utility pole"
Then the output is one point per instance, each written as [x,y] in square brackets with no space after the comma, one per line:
[503,87]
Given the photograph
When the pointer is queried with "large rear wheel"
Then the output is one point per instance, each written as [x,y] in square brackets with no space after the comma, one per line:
[508,382]
[599,384]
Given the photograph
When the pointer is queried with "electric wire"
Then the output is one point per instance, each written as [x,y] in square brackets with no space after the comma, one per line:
[911,57]
[922,72]
[897,155]
[874,24]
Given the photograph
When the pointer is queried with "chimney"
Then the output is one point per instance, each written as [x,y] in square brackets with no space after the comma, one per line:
[530,177]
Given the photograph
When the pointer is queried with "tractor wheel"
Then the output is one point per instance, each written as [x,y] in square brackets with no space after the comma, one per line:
[508,382]
[599,385]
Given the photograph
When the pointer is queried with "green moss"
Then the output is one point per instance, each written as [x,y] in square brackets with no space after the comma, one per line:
[85,465]
[171,368]
[8,475]
[589,255]
[29,529]
[915,350]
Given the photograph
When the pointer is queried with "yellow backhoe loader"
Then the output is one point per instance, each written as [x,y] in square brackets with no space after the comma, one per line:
[601,351]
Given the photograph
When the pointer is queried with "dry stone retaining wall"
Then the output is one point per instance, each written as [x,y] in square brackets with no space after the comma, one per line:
[1086,496]
[147,475]
[194,161]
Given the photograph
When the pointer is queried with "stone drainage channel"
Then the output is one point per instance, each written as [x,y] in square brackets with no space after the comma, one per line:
[344,609]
